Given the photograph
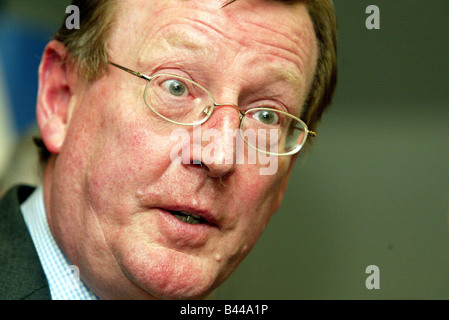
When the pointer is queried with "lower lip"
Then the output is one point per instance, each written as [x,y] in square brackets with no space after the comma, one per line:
[180,234]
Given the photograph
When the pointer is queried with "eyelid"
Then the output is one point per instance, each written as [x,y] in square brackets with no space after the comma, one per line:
[175,72]
[265,103]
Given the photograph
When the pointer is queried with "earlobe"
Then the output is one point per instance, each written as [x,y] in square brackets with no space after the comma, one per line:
[54,96]
[53,133]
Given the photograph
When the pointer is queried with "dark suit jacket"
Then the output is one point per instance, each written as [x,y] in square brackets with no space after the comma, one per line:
[21,273]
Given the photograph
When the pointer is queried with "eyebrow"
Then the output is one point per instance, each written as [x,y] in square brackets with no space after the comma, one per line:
[288,76]
[180,41]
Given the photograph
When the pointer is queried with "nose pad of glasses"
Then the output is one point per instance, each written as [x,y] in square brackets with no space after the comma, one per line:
[207,111]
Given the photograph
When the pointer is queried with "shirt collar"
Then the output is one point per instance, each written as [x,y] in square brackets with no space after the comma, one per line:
[63,278]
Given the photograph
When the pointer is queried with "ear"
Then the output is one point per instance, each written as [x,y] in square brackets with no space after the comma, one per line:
[57,79]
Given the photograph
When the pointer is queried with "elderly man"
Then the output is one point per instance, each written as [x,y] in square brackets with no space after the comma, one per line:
[114,204]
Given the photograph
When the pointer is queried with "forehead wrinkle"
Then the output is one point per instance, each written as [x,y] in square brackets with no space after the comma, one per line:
[298,46]
[172,41]
[248,39]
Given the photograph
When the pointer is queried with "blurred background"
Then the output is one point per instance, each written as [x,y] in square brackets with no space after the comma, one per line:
[374,189]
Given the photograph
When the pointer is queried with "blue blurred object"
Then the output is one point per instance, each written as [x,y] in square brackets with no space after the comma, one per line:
[21,47]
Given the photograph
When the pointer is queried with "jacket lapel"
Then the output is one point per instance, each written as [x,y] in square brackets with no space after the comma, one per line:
[21,273]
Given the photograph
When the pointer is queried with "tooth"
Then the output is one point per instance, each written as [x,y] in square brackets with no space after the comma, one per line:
[187,218]
[190,214]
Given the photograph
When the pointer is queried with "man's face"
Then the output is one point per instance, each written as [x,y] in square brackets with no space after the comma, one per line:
[114,188]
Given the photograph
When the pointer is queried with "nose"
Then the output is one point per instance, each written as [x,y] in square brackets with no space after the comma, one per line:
[218,138]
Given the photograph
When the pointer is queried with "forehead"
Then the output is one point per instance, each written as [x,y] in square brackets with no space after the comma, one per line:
[263,30]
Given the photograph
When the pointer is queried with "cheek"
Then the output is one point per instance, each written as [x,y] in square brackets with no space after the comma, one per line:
[115,146]
[126,156]
[257,198]
[262,192]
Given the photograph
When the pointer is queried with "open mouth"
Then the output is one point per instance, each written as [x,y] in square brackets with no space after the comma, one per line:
[187,217]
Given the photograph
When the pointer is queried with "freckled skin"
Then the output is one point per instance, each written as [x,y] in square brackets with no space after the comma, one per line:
[114,167]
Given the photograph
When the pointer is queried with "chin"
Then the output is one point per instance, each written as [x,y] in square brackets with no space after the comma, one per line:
[170,275]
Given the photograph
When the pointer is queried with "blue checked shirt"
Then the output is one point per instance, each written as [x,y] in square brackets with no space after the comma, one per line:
[63,278]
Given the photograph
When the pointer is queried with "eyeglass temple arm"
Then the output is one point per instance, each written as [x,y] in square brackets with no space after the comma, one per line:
[135,73]
[310,133]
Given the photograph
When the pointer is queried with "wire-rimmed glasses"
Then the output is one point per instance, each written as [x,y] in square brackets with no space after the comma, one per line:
[184,102]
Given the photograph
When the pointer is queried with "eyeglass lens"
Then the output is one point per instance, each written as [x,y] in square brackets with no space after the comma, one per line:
[185,102]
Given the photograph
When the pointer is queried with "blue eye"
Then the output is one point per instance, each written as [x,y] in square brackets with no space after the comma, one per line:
[267,117]
[175,87]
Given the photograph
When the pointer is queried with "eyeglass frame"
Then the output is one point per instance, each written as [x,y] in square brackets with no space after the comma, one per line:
[242,114]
